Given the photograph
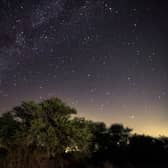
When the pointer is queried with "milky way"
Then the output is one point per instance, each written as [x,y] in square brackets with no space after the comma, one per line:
[107,58]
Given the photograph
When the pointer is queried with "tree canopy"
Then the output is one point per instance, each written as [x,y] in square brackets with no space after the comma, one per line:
[46,129]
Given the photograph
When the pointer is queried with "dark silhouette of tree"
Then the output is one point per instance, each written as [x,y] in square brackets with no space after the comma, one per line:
[100,142]
[119,134]
[146,150]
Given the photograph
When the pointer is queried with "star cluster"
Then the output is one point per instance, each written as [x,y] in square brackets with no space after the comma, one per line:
[106,58]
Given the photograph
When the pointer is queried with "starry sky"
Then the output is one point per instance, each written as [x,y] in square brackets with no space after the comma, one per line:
[106,58]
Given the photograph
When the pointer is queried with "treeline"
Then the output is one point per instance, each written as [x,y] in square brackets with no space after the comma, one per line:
[48,135]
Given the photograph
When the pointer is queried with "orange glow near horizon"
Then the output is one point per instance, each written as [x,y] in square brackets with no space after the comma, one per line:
[148,123]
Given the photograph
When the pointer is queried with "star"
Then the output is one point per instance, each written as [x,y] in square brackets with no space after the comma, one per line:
[135,25]
[132,117]
[108,93]
[129,78]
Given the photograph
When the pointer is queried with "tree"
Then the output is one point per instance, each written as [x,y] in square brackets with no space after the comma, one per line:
[119,134]
[9,131]
[44,130]
[151,149]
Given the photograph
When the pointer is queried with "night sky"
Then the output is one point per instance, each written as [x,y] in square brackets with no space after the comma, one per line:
[106,58]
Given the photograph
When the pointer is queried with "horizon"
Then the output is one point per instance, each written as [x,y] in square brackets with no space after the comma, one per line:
[147,130]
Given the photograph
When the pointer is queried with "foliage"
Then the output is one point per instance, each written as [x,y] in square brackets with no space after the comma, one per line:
[47,134]
[44,130]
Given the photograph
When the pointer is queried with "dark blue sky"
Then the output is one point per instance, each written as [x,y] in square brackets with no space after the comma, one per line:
[107,58]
